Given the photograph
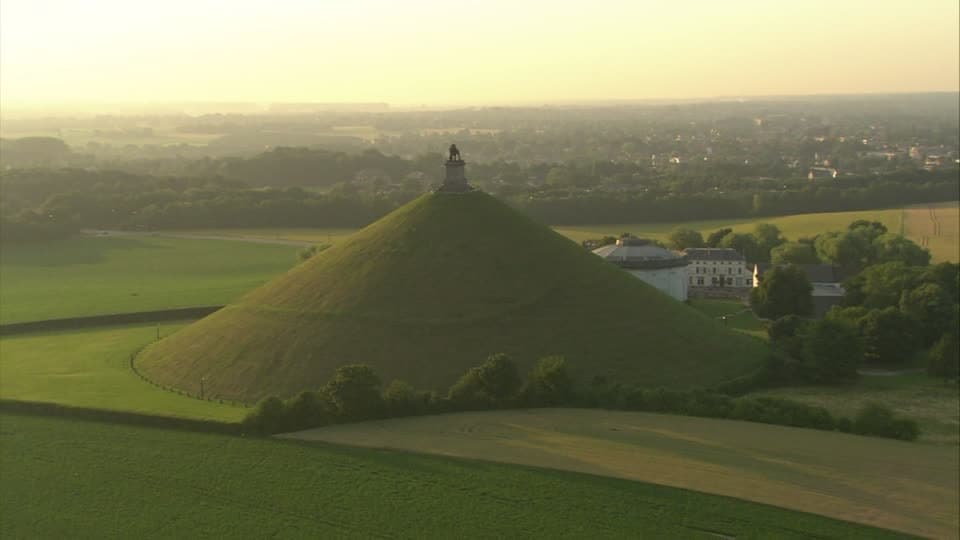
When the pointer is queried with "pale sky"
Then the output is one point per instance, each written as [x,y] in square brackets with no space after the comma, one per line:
[470,52]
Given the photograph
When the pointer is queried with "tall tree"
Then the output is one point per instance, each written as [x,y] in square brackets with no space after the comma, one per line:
[768,236]
[932,308]
[794,253]
[745,244]
[889,337]
[716,237]
[784,290]
[893,247]
[832,350]
[686,238]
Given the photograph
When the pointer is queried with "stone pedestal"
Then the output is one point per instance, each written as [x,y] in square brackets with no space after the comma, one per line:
[455,180]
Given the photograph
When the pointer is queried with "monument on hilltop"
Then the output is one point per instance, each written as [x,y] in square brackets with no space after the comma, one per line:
[455,180]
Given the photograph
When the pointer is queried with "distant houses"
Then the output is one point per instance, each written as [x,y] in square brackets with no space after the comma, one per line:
[826,280]
[818,173]
[718,272]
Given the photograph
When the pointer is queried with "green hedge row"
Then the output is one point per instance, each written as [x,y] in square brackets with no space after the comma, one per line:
[355,394]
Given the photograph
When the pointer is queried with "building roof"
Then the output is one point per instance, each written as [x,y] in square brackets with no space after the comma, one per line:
[714,254]
[816,273]
[640,253]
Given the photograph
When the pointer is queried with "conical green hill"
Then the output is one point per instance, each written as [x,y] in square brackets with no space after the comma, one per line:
[434,288]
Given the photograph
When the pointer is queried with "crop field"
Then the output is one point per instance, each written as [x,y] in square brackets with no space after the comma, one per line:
[933,404]
[90,368]
[793,227]
[73,479]
[892,484]
[98,275]
[935,227]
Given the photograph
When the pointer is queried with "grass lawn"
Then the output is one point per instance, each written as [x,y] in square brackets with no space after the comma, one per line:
[934,405]
[99,275]
[90,368]
[893,484]
[935,227]
[73,479]
[738,315]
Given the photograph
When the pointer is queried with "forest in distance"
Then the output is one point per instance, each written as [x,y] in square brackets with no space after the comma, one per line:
[618,163]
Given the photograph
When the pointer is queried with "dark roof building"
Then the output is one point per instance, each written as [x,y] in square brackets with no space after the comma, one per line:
[713,254]
[825,279]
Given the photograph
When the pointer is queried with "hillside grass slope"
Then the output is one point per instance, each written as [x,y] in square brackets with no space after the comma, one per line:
[431,290]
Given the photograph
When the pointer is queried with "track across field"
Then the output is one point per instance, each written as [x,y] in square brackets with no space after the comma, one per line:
[909,487]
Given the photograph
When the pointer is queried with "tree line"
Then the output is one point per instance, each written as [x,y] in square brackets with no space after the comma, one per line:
[355,393]
[298,187]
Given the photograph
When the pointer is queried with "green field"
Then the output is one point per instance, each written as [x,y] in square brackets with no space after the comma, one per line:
[73,479]
[98,275]
[933,404]
[904,486]
[91,368]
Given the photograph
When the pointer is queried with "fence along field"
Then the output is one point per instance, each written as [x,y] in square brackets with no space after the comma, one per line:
[890,484]
[89,479]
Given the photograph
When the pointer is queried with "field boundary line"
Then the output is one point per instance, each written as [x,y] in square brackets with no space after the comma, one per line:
[110,319]
[112,416]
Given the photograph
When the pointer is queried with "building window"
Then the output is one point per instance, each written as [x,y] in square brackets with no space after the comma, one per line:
[691,280]
[714,270]
[739,270]
[729,281]
[730,270]
[699,281]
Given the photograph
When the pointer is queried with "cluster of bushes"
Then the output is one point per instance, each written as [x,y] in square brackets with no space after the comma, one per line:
[355,394]
[894,316]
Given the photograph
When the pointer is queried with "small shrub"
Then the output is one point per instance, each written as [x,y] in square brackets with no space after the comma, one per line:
[877,419]
[269,416]
[400,399]
[548,384]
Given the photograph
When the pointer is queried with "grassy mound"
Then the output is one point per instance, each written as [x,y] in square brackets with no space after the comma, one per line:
[432,289]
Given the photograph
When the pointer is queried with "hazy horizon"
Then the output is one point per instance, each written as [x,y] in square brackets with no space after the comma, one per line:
[470,53]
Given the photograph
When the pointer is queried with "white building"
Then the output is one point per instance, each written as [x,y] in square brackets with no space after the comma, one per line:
[718,268]
[662,268]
